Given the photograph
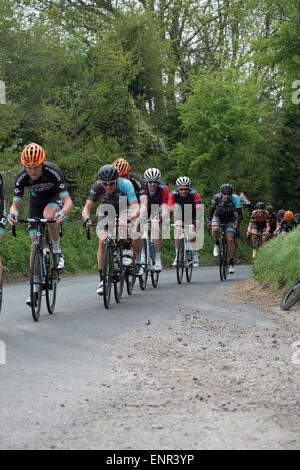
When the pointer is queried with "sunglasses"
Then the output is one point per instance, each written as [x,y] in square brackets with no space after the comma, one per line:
[153,182]
[110,183]
[184,189]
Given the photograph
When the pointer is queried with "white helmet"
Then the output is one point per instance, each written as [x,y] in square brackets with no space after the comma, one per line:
[152,174]
[183,181]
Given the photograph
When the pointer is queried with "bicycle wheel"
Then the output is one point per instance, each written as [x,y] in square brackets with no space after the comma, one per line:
[143,279]
[130,276]
[36,279]
[222,259]
[225,260]
[1,294]
[189,265]
[154,274]
[107,271]
[118,274]
[291,296]
[180,261]
[51,282]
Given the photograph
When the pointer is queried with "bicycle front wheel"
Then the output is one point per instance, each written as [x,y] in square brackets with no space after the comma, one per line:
[143,279]
[291,296]
[36,287]
[107,274]
[52,279]
[154,274]
[223,260]
[189,265]
[180,261]
[118,276]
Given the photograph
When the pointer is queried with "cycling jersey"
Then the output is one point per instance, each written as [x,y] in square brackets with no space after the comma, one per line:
[124,188]
[274,221]
[139,185]
[159,197]
[192,199]
[50,183]
[259,217]
[2,206]
[287,227]
[224,210]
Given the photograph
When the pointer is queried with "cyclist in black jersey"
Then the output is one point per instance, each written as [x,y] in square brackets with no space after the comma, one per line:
[49,197]
[141,194]
[2,218]
[288,223]
[110,188]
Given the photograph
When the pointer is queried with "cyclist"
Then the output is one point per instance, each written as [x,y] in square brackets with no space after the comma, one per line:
[158,195]
[49,197]
[141,193]
[222,211]
[288,223]
[109,187]
[274,222]
[2,218]
[259,223]
[281,214]
[186,198]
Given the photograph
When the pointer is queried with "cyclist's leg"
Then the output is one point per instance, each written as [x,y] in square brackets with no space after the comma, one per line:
[177,236]
[157,240]
[215,224]
[193,243]
[102,236]
[54,205]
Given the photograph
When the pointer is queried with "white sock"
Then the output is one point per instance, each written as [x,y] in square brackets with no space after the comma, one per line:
[56,246]
[157,257]
[138,258]
[36,287]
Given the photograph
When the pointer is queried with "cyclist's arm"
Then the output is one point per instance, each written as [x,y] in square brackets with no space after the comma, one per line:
[144,207]
[67,207]
[164,202]
[86,212]
[198,207]
[134,209]
[14,210]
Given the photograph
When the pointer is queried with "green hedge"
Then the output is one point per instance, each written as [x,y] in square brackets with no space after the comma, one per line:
[278,262]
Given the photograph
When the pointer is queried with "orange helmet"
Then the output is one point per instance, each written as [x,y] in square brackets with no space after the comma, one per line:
[288,215]
[33,155]
[123,166]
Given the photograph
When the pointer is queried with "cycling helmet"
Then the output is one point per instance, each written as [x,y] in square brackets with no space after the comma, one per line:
[123,166]
[270,209]
[108,173]
[260,205]
[33,155]
[288,215]
[226,189]
[183,181]
[152,174]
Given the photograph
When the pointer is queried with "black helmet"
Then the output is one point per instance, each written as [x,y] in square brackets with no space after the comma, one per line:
[260,205]
[270,209]
[226,189]
[108,173]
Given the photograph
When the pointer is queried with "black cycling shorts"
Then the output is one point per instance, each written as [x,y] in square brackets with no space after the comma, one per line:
[37,206]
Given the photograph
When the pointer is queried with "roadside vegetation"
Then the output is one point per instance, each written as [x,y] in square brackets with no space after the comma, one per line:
[278,262]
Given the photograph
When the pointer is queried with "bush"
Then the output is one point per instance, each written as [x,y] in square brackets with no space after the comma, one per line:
[277,262]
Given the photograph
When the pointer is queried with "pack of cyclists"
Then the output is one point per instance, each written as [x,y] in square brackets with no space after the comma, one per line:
[133,201]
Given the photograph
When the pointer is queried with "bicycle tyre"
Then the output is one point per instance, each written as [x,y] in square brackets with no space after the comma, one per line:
[36,269]
[189,265]
[154,274]
[51,282]
[107,274]
[118,275]
[130,277]
[144,278]
[225,260]
[180,261]
[291,296]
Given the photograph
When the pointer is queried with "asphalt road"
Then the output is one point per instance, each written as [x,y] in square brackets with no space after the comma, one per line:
[60,366]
